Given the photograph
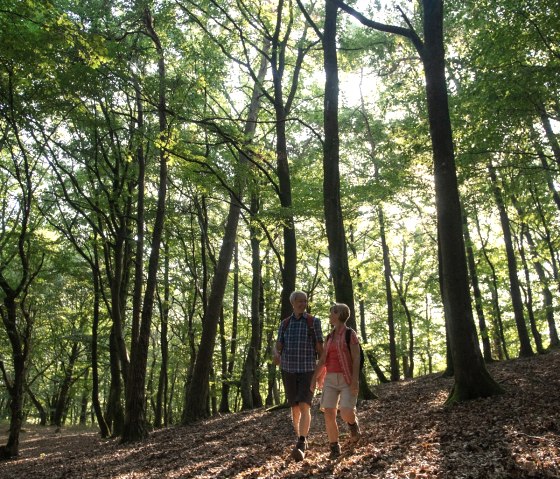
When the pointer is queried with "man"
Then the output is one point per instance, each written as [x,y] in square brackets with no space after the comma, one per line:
[300,342]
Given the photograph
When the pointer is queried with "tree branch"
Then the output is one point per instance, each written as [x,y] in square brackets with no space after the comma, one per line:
[382,27]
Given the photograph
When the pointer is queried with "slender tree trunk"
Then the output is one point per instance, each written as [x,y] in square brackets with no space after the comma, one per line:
[498,336]
[485,337]
[288,268]
[408,359]
[362,313]
[15,387]
[550,135]
[387,273]
[227,371]
[160,416]
[114,415]
[64,389]
[546,293]
[103,427]
[525,343]
[135,427]
[198,391]
[528,291]
[196,401]
[549,178]
[250,396]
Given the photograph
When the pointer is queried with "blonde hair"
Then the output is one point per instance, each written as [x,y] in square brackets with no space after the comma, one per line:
[342,310]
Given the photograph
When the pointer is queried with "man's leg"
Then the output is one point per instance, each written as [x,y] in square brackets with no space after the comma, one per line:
[304,411]
[296,417]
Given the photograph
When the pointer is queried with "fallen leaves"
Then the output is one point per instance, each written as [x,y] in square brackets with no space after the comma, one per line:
[407,433]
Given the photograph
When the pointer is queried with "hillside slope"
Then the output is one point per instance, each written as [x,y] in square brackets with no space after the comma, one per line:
[407,434]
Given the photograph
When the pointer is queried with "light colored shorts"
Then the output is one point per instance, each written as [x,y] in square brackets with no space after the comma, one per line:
[336,393]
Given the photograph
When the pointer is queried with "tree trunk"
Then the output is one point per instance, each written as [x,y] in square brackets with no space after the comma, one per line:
[250,395]
[114,415]
[387,273]
[135,427]
[549,178]
[362,310]
[288,268]
[338,252]
[472,379]
[227,371]
[539,268]
[40,409]
[196,401]
[408,359]
[196,397]
[525,343]
[64,389]
[528,292]
[103,427]
[160,416]
[15,387]
[498,338]
[550,135]
[485,337]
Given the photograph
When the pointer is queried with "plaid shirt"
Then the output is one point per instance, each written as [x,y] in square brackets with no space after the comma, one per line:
[298,350]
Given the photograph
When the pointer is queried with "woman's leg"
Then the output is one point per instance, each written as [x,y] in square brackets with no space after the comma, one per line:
[348,415]
[331,425]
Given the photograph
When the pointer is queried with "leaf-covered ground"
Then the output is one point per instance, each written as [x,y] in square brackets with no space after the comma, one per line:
[407,433]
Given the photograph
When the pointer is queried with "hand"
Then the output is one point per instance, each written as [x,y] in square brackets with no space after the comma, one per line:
[313,385]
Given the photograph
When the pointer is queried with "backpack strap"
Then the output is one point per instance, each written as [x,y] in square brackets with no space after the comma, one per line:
[310,326]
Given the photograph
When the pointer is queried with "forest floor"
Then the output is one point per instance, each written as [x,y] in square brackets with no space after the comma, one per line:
[407,433]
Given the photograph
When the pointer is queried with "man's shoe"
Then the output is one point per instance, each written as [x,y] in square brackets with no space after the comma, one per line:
[298,453]
[301,444]
[355,432]
[335,450]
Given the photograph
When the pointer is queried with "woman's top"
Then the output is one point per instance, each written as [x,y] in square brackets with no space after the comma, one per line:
[339,358]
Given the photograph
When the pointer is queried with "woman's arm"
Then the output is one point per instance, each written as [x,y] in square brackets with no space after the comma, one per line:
[320,365]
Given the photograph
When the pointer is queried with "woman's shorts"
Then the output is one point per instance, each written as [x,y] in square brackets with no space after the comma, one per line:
[336,393]
[296,387]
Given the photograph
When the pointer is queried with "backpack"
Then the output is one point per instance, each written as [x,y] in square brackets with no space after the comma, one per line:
[348,335]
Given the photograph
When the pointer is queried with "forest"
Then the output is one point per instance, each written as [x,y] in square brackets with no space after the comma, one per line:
[171,170]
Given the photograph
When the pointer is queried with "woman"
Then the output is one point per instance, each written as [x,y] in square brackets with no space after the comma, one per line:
[341,383]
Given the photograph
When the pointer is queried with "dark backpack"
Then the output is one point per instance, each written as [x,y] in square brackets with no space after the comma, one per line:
[348,335]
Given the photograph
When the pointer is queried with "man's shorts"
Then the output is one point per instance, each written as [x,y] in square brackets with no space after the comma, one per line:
[296,387]
[336,393]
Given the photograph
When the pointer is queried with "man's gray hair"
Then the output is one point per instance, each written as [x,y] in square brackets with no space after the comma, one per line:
[295,294]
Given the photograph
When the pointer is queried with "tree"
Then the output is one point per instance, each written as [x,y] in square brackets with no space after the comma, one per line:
[526,349]
[135,427]
[472,379]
